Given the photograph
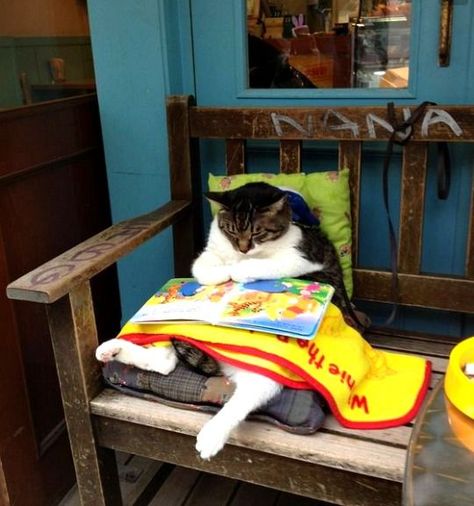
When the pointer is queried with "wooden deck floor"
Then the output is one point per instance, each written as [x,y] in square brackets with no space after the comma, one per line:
[149,483]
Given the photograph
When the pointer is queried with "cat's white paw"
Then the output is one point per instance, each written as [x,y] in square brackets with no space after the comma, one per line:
[243,272]
[161,359]
[211,439]
[212,275]
[108,351]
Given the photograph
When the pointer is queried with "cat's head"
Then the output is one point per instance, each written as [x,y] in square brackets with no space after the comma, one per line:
[252,215]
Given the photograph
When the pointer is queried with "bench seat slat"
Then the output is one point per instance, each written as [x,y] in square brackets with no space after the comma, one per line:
[364,457]
[397,436]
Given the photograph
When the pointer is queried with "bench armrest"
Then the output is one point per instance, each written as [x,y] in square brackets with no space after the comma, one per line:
[59,276]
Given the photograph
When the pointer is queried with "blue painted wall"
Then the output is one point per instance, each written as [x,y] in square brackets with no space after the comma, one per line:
[140,57]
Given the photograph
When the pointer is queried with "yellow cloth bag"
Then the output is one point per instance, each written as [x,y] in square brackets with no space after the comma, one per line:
[365,388]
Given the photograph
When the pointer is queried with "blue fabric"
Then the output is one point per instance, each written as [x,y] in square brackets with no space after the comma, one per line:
[301,213]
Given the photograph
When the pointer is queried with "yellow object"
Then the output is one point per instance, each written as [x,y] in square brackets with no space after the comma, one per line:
[364,387]
[462,426]
[458,387]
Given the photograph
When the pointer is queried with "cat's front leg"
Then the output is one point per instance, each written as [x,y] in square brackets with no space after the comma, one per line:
[251,269]
[161,359]
[209,269]
[247,270]
[252,391]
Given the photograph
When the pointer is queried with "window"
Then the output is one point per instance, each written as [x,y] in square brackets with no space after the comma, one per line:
[328,43]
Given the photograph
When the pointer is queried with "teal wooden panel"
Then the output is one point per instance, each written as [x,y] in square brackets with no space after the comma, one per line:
[138,55]
[87,62]
[33,53]
[146,269]
[10,93]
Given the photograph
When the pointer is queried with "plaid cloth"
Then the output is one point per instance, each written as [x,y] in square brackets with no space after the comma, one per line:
[297,411]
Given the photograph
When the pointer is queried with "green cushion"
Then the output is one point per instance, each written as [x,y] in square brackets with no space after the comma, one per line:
[327,194]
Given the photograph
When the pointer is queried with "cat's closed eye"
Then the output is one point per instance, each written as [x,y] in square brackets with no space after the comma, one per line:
[267,233]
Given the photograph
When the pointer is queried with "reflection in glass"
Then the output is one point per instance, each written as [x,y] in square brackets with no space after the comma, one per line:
[45,51]
[328,43]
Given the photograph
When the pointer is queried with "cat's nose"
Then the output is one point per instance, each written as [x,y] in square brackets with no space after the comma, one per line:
[245,246]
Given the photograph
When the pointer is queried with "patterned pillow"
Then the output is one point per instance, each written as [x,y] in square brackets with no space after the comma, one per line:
[296,411]
[328,196]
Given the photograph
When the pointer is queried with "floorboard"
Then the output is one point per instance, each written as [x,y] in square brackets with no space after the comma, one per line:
[178,486]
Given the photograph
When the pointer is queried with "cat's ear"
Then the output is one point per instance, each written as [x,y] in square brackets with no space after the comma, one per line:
[277,206]
[220,198]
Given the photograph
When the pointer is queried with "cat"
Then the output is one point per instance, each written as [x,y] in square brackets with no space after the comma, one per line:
[251,237]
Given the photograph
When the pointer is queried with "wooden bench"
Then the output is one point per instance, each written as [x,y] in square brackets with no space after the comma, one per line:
[350,467]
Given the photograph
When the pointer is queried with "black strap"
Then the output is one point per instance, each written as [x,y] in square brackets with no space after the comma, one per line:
[444,170]
[402,133]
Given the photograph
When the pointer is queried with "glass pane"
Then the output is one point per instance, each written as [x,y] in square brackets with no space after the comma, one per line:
[328,43]
[45,51]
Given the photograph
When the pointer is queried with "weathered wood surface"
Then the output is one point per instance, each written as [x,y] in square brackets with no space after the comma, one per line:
[412,207]
[350,153]
[340,485]
[366,457]
[235,160]
[442,122]
[436,292]
[470,242]
[74,338]
[184,182]
[290,157]
[57,277]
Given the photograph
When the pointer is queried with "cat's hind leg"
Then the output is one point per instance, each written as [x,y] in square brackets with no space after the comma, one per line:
[161,359]
[252,391]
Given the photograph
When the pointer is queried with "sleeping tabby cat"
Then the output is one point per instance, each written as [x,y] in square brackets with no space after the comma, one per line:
[251,237]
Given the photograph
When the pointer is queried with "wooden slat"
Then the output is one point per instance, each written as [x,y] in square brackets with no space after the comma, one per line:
[74,337]
[443,122]
[211,490]
[470,240]
[285,499]
[350,153]
[57,277]
[247,455]
[176,488]
[396,436]
[367,457]
[235,156]
[249,494]
[185,183]
[135,476]
[434,292]
[411,345]
[290,157]
[415,157]
[177,108]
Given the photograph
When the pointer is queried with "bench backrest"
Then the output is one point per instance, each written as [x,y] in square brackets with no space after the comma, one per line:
[350,127]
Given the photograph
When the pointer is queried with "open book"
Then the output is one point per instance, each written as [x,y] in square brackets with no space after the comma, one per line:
[287,306]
